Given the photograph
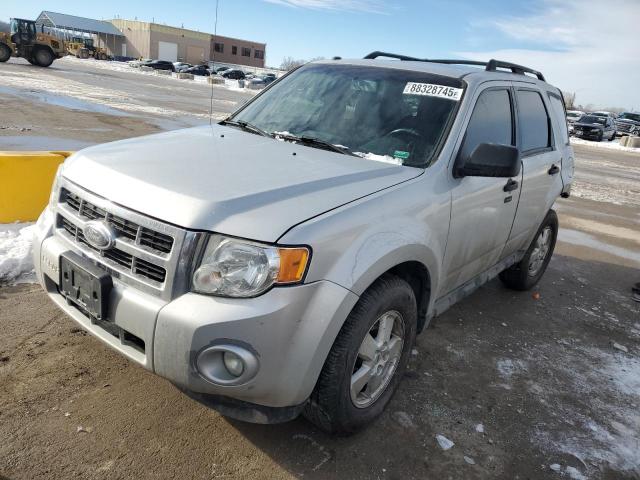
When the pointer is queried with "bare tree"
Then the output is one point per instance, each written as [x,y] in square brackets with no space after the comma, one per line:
[289,63]
[569,99]
[4,26]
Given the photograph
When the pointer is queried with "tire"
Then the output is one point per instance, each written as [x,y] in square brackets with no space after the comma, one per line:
[5,52]
[528,272]
[332,405]
[43,57]
[613,136]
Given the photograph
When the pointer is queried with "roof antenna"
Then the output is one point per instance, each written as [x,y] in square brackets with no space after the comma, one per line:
[213,60]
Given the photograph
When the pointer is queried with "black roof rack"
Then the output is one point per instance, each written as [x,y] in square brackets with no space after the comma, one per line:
[490,66]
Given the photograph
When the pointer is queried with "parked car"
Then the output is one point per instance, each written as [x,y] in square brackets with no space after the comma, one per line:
[181,66]
[233,74]
[268,78]
[603,114]
[595,127]
[261,80]
[628,123]
[572,117]
[220,70]
[160,65]
[200,70]
[137,63]
[284,259]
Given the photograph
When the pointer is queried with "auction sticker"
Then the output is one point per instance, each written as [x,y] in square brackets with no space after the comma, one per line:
[432,90]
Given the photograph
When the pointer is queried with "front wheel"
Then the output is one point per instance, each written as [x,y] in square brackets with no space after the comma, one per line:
[528,272]
[367,360]
[43,57]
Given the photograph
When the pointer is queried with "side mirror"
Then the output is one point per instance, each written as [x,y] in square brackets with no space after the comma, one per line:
[490,160]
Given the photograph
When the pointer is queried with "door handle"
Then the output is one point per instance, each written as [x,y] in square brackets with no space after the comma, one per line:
[554,169]
[510,186]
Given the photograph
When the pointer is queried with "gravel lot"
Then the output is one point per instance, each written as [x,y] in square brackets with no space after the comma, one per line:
[527,385]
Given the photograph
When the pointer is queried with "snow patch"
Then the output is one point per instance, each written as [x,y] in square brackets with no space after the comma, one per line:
[379,158]
[444,442]
[16,265]
[613,145]
[508,367]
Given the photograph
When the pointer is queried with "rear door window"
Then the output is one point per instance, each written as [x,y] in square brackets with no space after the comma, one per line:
[533,121]
[558,112]
[491,122]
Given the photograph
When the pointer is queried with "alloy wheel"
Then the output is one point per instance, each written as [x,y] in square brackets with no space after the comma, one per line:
[377,360]
[540,251]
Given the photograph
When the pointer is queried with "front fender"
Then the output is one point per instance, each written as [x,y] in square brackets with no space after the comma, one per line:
[355,244]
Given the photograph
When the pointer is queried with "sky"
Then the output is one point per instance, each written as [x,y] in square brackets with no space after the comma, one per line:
[589,47]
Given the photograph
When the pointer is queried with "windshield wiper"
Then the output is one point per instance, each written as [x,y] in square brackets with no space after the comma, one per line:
[246,126]
[314,142]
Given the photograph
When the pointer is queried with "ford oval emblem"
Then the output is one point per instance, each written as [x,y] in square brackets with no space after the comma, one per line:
[99,235]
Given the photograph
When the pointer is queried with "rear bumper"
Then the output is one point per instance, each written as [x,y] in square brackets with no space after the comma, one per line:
[289,330]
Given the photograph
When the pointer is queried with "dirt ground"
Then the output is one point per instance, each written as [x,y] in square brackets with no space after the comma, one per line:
[522,383]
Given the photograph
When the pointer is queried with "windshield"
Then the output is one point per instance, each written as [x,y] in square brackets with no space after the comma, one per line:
[630,116]
[382,114]
[593,119]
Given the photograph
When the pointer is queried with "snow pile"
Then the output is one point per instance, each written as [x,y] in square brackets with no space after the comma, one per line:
[16,265]
[614,145]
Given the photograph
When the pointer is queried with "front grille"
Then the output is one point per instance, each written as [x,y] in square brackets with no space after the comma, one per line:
[150,255]
[137,266]
[624,127]
[156,241]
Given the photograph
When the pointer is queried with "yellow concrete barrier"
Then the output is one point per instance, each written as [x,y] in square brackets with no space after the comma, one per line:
[25,183]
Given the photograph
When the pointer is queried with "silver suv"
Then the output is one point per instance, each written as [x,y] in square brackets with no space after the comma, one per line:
[283,260]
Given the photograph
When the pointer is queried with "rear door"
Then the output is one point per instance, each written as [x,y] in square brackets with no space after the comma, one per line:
[482,208]
[541,165]
[559,119]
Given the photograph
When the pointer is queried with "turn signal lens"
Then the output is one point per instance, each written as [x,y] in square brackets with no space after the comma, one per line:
[293,263]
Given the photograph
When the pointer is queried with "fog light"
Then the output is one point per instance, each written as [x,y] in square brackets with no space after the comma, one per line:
[227,364]
[233,363]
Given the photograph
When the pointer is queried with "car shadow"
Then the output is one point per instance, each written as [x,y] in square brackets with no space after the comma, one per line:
[478,364]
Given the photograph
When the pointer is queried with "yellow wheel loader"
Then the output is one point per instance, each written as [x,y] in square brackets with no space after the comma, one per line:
[84,48]
[76,47]
[24,41]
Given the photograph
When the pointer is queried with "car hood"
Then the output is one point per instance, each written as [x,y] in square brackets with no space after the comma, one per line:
[626,120]
[225,180]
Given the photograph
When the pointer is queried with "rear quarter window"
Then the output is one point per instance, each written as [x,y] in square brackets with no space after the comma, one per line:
[557,110]
[533,121]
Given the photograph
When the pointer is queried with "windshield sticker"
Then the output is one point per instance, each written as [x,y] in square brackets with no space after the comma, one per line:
[432,90]
[400,154]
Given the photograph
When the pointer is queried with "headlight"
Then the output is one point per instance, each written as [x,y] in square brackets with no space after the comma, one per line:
[55,188]
[239,268]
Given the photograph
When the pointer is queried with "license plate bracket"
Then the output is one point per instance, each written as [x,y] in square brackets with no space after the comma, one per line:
[85,285]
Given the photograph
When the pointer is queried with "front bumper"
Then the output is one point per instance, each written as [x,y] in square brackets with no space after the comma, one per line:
[290,329]
[589,135]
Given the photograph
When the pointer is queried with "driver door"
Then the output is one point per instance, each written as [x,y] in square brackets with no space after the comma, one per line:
[482,208]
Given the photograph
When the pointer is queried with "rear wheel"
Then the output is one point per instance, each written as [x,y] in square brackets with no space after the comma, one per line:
[367,360]
[528,272]
[5,52]
[43,57]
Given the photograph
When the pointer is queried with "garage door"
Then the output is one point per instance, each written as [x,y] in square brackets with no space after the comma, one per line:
[195,55]
[168,51]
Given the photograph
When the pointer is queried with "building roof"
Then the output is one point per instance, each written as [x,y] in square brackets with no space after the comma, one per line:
[79,24]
